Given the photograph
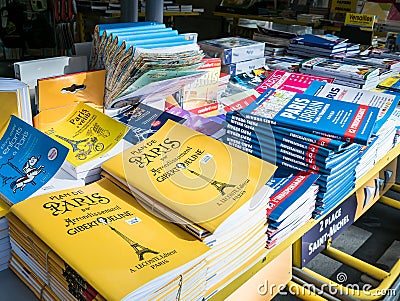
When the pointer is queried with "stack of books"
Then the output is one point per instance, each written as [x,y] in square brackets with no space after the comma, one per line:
[390,84]
[287,63]
[30,160]
[309,45]
[309,18]
[185,177]
[291,205]
[238,55]
[128,51]
[384,129]
[91,138]
[200,96]
[389,66]
[150,258]
[293,131]
[347,74]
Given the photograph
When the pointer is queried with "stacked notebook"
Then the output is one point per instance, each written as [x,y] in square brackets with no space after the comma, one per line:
[128,51]
[292,203]
[309,45]
[347,74]
[297,131]
[135,255]
[194,181]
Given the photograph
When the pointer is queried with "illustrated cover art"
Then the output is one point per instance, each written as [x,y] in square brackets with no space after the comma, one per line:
[28,160]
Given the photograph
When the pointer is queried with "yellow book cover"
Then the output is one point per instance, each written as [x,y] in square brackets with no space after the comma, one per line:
[196,176]
[103,234]
[88,134]
[10,106]
[66,90]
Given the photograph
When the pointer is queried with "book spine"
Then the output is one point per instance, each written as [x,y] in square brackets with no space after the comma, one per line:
[287,160]
[239,120]
[310,153]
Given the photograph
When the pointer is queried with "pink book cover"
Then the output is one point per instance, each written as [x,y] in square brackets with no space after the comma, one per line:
[290,81]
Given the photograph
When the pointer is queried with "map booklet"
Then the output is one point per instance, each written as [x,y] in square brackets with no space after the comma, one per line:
[28,160]
[91,137]
[192,174]
[317,115]
[385,102]
[134,254]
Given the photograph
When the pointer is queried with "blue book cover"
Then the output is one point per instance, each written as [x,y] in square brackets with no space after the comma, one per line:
[28,160]
[327,41]
[131,26]
[289,186]
[386,103]
[236,119]
[259,138]
[269,147]
[317,115]
[143,121]
[146,37]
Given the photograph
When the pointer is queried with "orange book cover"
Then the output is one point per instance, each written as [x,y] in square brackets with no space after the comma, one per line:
[67,90]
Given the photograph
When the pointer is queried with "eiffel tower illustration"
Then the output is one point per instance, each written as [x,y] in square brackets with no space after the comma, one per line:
[220,186]
[139,249]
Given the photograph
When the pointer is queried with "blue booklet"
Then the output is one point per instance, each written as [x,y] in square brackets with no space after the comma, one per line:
[386,103]
[290,186]
[236,119]
[326,41]
[143,121]
[317,115]
[28,160]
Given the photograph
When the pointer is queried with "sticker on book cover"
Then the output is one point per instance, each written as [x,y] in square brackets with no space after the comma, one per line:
[133,221]
[206,158]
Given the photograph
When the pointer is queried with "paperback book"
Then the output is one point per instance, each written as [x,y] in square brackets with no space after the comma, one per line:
[317,115]
[191,174]
[340,69]
[233,49]
[29,159]
[91,137]
[144,268]
[385,102]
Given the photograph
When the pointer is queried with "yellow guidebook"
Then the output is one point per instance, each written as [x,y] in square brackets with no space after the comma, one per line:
[114,244]
[91,137]
[198,177]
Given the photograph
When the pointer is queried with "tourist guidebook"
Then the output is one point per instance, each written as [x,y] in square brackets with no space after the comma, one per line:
[233,49]
[290,81]
[91,138]
[330,118]
[28,160]
[385,102]
[125,252]
[143,121]
[324,41]
[192,174]
[338,69]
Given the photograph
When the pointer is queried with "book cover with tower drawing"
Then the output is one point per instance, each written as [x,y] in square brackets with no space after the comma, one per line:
[191,173]
[125,253]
